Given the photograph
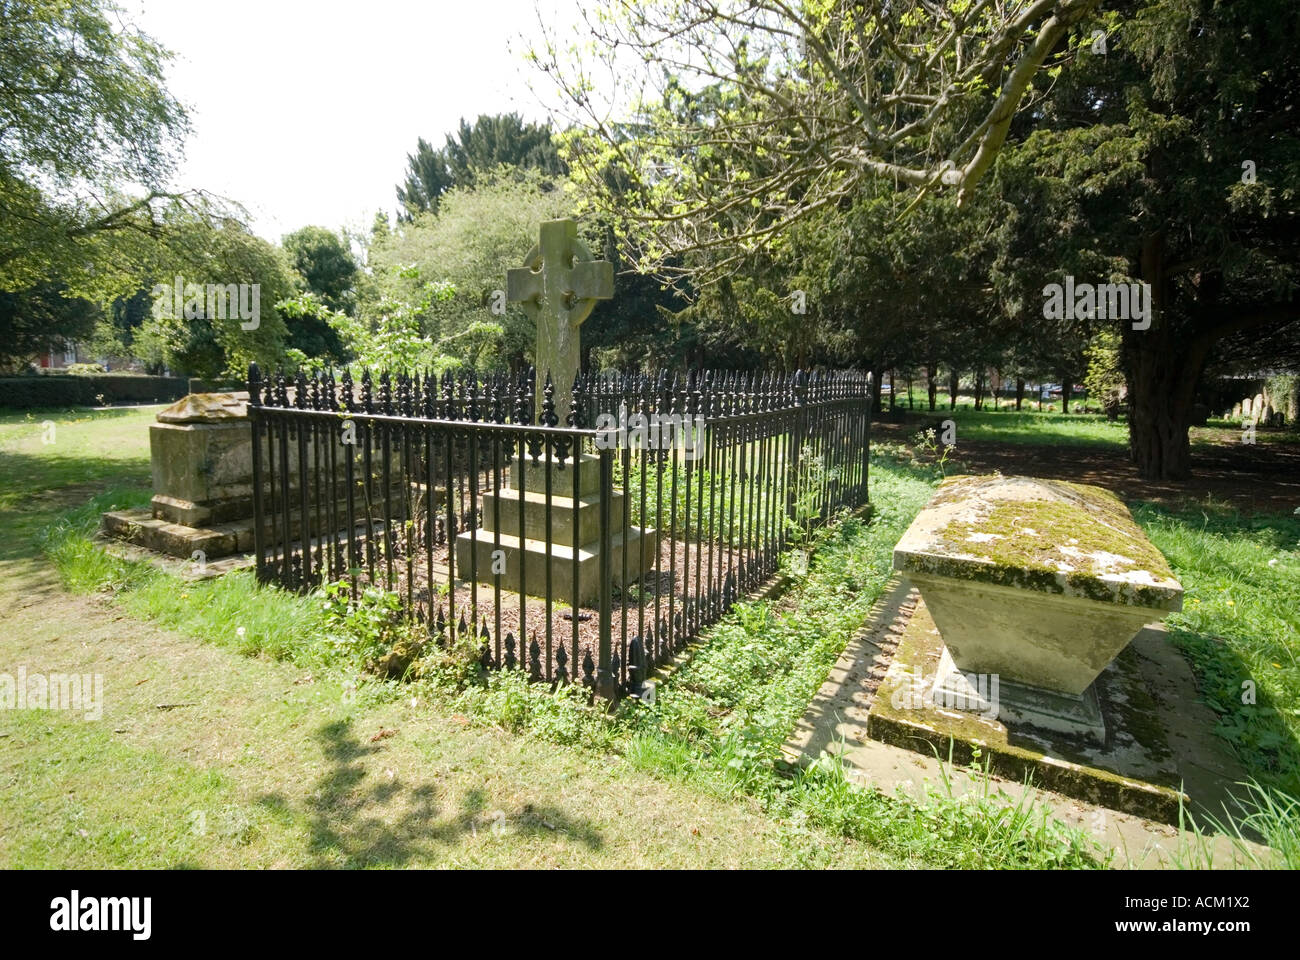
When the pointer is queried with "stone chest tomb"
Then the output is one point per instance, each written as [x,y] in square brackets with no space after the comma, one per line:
[1038,583]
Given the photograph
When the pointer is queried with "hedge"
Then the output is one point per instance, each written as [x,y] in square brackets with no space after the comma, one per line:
[61,390]
[215,386]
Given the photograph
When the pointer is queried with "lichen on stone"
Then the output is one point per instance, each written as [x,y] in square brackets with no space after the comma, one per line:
[1048,535]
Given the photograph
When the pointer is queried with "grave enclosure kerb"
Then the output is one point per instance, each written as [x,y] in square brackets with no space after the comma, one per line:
[549,548]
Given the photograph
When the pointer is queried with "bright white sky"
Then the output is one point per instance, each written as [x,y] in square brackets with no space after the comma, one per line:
[304,110]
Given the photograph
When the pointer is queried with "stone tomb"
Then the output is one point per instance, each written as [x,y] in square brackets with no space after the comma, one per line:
[1038,584]
[575,528]
[201,456]
[557,287]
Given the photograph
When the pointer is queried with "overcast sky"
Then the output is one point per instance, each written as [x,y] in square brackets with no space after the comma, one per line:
[305,110]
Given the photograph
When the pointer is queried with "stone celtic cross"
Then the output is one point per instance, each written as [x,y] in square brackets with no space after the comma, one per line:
[558,287]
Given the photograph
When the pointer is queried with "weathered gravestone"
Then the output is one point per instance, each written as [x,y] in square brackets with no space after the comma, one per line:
[558,286]
[1040,583]
[201,455]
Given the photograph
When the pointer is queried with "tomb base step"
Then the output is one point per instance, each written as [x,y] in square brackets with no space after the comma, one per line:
[215,540]
[190,514]
[175,539]
[571,521]
[527,565]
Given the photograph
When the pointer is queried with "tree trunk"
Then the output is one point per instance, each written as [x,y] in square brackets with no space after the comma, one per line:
[932,382]
[979,389]
[1162,368]
[1065,378]
[875,390]
[1158,414]
[893,390]
[911,405]
[1020,391]
[954,382]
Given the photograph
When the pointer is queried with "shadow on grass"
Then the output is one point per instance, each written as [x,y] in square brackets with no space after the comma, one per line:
[1238,625]
[31,498]
[32,483]
[357,819]
[1024,427]
[1249,718]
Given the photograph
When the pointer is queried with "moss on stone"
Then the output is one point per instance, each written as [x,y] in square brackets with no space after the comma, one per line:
[1134,772]
[1047,535]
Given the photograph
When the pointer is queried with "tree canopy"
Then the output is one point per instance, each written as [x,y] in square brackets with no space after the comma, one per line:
[89,137]
[481,148]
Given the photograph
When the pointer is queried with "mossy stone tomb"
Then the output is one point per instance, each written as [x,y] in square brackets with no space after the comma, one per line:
[1038,584]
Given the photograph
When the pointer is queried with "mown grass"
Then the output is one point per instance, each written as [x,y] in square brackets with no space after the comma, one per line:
[1240,625]
[48,449]
[1031,427]
[719,721]
[1051,427]
[231,611]
[262,764]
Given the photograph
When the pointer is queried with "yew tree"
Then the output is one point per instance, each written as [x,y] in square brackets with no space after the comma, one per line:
[1173,161]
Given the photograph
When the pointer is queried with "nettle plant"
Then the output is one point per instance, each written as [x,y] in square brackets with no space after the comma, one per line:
[373,630]
[362,628]
[811,479]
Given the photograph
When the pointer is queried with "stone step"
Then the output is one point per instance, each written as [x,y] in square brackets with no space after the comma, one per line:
[561,473]
[571,522]
[532,560]
[190,514]
[178,540]
[215,540]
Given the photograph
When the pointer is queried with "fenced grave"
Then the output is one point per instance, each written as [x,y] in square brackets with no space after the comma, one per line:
[591,552]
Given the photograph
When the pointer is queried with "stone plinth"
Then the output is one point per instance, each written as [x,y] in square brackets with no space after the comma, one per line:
[574,531]
[1039,583]
[201,455]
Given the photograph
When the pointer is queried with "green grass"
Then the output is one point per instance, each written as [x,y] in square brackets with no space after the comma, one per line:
[232,611]
[718,722]
[207,758]
[1028,427]
[1053,428]
[1240,625]
[86,448]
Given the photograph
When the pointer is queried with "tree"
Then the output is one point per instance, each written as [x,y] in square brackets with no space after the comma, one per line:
[1105,377]
[491,142]
[1171,162]
[466,245]
[807,102]
[38,318]
[212,346]
[88,139]
[325,263]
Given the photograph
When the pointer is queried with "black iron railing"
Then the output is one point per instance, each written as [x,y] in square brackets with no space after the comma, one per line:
[590,552]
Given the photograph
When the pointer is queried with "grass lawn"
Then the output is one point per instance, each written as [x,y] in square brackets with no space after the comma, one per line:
[1240,625]
[1051,427]
[237,730]
[209,757]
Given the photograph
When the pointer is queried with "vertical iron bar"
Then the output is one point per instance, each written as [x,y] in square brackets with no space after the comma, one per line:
[605,681]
